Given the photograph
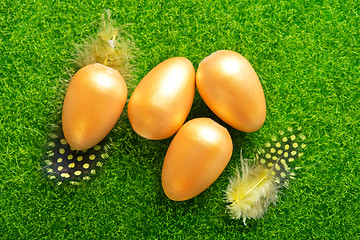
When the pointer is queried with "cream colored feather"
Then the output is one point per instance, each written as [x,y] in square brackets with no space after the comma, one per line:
[250,193]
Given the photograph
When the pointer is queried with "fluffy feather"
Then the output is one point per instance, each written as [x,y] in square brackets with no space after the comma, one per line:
[250,194]
[112,47]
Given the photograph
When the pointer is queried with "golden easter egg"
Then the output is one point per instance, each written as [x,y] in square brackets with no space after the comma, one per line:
[93,103]
[162,100]
[196,157]
[230,87]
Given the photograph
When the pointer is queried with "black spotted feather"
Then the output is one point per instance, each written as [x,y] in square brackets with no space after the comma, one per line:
[64,164]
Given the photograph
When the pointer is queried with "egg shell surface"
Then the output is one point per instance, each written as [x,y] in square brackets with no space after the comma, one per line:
[93,103]
[230,87]
[196,157]
[162,100]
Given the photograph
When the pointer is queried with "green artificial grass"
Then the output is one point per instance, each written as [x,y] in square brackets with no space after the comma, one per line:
[307,56]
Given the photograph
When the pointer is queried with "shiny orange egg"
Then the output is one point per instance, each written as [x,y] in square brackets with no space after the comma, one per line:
[93,103]
[196,157]
[162,100]
[230,87]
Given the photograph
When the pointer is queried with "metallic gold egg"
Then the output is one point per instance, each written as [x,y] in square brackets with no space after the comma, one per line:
[162,100]
[196,157]
[228,84]
[93,103]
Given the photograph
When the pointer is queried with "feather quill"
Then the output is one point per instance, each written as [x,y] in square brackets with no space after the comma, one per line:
[250,193]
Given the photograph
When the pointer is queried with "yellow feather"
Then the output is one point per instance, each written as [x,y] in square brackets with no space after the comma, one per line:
[251,193]
[112,47]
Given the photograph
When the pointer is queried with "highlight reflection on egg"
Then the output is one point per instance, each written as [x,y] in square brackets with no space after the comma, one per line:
[196,157]
[162,100]
[228,84]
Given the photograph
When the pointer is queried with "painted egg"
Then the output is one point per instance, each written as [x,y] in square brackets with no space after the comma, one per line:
[228,84]
[93,103]
[196,157]
[162,100]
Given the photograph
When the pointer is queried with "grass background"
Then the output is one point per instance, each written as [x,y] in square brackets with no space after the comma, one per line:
[306,54]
